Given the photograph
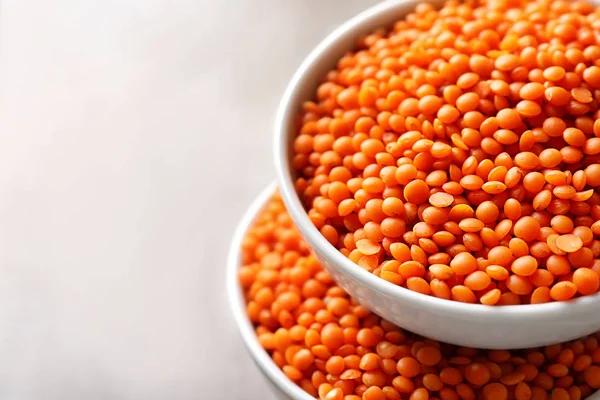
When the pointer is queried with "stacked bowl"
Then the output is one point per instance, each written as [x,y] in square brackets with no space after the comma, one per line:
[479,139]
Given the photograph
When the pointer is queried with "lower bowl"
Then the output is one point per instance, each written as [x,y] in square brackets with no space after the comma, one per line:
[281,386]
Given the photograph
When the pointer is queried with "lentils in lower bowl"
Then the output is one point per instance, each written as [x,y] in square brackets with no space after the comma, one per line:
[335,349]
[458,154]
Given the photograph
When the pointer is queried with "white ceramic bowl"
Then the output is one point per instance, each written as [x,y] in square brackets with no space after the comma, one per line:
[472,325]
[281,386]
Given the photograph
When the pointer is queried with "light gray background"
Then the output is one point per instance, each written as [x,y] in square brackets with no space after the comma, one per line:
[133,134]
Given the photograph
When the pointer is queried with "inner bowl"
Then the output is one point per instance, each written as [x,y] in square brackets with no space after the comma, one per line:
[474,325]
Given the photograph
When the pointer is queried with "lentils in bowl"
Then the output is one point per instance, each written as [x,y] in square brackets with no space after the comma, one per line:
[419,169]
[457,154]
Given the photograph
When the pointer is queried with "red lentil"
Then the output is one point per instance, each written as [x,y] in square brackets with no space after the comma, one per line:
[355,355]
[465,130]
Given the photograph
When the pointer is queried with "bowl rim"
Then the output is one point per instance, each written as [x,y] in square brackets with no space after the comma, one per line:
[237,302]
[284,122]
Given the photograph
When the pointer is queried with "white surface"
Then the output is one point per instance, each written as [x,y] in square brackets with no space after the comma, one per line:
[133,136]
[471,325]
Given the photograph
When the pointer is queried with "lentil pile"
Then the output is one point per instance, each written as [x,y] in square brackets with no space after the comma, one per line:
[458,154]
[335,349]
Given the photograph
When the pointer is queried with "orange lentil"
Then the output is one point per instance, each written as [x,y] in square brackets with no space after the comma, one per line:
[513,378]
[524,266]
[563,290]
[416,192]
[497,272]
[561,224]
[527,160]
[550,158]
[586,280]
[471,225]
[558,265]
[541,277]
[500,255]
[418,284]
[477,280]
[405,173]
[507,62]
[552,245]
[518,247]
[441,271]
[477,374]
[463,294]
[569,243]
[557,96]
[534,182]
[419,394]
[531,91]
[428,355]
[540,295]
[592,376]
[554,73]
[440,289]
[367,246]
[592,76]
[519,285]
[527,228]
[491,298]
[463,264]
[495,391]
[522,391]
[408,367]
